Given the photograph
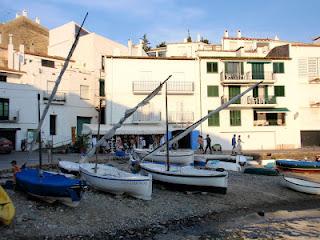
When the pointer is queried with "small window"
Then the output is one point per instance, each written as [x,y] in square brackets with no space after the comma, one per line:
[4,109]
[235,118]
[101,88]
[53,124]
[278,67]
[47,63]
[279,91]
[213,91]
[84,92]
[102,62]
[3,78]
[214,120]
[212,67]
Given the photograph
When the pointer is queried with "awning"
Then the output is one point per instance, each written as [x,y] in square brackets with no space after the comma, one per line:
[264,62]
[272,110]
[126,129]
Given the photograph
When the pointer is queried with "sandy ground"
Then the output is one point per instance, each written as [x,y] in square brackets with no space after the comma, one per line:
[105,216]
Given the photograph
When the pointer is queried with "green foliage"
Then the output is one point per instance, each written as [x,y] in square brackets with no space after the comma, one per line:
[162,44]
[204,40]
[82,143]
[146,44]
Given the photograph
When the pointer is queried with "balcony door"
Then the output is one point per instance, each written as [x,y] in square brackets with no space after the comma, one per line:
[233,70]
[257,70]
[234,91]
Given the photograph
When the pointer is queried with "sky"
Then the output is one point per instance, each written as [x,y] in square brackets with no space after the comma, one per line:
[170,20]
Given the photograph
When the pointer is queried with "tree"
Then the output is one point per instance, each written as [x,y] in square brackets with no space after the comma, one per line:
[162,44]
[204,40]
[145,42]
[189,39]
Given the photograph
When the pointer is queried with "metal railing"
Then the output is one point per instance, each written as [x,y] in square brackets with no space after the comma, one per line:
[174,87]
[144,86]
[60,97]
[252,100]
[146,117]
[270,122]
[180,87]
[247,76]
[181,117]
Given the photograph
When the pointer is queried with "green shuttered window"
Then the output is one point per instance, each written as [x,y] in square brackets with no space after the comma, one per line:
[278,67]
[212,67]
[214,120]
[213,91]
[235,118]
[279,91]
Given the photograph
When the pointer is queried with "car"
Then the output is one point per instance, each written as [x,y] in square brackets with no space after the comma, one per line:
[6,145]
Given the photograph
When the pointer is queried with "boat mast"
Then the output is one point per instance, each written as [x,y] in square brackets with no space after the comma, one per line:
[98,136]
[39,134]
[167,129]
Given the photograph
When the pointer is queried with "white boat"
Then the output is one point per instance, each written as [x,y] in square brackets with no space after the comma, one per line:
[182,157]
[69,167]
[236,165]
[188,177]
[302,185]
[113,180]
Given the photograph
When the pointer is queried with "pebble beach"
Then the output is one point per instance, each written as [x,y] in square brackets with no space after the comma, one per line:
[104,216]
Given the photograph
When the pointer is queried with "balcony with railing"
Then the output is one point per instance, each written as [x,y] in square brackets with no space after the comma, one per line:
[181,117]
[150,117]
[248,77]
[144,87]
[180,87]
[59,98]
[12,117]
[250,101]
[174,87]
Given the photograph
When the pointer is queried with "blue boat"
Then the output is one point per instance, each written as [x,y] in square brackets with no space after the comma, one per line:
[298,166]
[50,187]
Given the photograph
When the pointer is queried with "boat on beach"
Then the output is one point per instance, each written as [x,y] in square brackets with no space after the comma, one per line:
[301,185]
[188,177]
[226,164]
[261,171]
[69,167]
[7,209]
[47,186]
[298,166]
[115,181]
[182,157]
[50,187]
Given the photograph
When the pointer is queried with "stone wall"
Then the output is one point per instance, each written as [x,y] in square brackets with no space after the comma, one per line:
[33,36]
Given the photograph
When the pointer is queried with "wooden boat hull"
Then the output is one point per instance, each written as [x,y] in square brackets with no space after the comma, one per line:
[187,177]
[302,185]
[115,181]
[7,209]
[298,166]
[179,157]
[50,187]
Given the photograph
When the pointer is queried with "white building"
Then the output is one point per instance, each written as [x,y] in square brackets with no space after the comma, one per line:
[281,113]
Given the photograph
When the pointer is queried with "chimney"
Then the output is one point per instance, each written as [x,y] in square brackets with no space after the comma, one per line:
[21,48]
[140,48]
[239,34]
[37,20]
[198,37]
[130,47]
[226,34]
[10,52]
[24,13]
[276,38]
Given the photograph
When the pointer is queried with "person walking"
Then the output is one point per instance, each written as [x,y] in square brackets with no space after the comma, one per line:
[208,140]
[200,142]
[234,144]
[239,146]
